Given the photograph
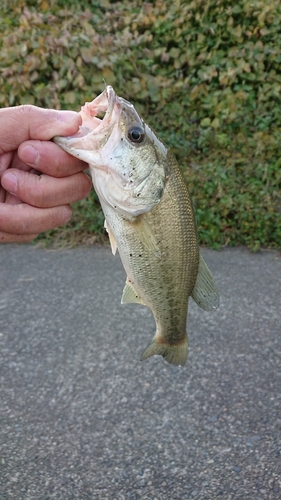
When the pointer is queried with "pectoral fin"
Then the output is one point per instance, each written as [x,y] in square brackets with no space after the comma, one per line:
[130,295]
[112,240]
[146,236]
[205,292]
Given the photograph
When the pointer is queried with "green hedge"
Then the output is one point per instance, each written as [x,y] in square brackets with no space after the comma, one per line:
[205,74]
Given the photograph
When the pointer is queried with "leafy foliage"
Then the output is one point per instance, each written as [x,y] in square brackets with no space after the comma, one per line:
[204,74]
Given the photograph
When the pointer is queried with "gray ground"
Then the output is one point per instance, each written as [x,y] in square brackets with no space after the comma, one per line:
[83,418]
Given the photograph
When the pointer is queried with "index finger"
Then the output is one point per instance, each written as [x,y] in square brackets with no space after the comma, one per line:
[26,122]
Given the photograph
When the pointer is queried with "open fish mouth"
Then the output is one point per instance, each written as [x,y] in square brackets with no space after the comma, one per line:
[103,104]
[95,130]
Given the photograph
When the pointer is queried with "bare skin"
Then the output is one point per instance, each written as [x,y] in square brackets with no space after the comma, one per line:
[38,180]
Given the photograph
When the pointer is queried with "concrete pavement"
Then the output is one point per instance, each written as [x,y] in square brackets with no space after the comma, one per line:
[83,418]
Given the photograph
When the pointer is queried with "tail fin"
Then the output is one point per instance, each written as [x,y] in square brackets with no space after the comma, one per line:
[176,354]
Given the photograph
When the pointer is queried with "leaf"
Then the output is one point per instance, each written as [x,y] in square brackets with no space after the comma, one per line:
[86,54]
[206,122]
[69,97]
[108,76]
[215,123]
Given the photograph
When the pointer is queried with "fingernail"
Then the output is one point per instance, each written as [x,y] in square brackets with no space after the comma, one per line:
[68,116]
[30,155]
[10,182]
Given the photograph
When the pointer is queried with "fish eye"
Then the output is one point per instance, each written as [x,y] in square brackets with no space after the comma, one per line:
[136,134]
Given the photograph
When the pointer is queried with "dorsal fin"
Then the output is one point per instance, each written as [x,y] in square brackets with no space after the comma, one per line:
[205,292]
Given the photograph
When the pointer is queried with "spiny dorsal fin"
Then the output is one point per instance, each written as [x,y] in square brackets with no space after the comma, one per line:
[130,295]
[205,292]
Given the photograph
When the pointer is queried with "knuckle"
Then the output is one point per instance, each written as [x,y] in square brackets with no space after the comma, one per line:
[37,191]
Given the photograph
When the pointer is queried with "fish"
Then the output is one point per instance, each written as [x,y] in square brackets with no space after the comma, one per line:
[149,217]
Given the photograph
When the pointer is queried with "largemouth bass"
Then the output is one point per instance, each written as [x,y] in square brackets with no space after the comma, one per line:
[149,217]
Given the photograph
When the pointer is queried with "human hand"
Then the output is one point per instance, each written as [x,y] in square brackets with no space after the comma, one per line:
[38,180]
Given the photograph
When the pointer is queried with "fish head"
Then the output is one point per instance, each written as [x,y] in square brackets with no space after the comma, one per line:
[128,163]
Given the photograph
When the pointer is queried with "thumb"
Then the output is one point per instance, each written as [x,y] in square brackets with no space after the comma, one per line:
[22,123]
